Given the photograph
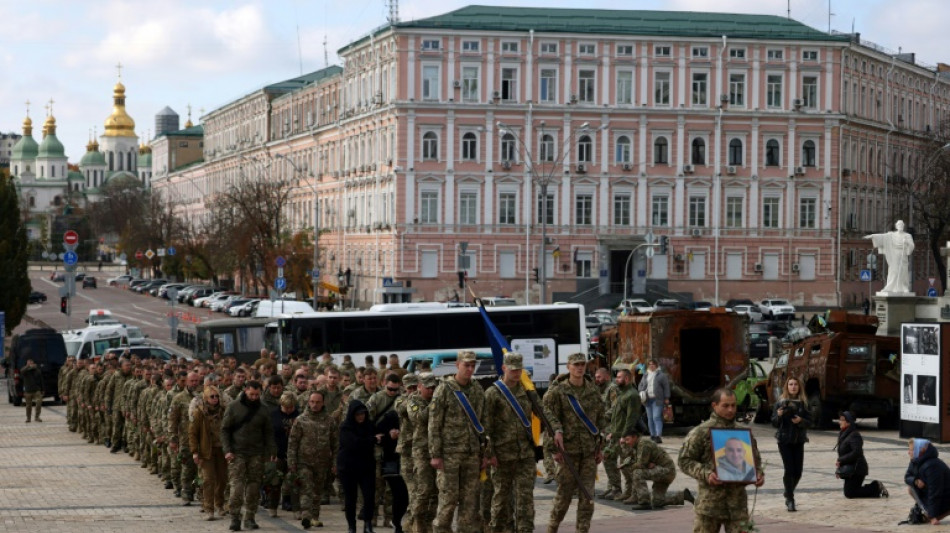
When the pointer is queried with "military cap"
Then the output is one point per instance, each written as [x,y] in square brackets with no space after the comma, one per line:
[514,361]
[575,358]
[410,380]
[428,380]
[466,356]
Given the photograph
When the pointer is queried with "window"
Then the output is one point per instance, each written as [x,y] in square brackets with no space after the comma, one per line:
[546,209]
[430,146]
[548,85]
[430,44]
[734,206]
[773,90]
[549,48]
[806,212]
[737,53]
[698,152]
[429,207]
[808,153]
[737,89]
[547,147]
[661,151]
[470,46]
[697,211]
[508,147]
[625,87]
[582,264]
[661,88]
[469,147]
[810,92]
[624,50]
[700,80]
[700,52]
[585,86]
[775,54]
[584,149]
[661,50]
[770,212]
[623,150]
[584,209]
[622,208]
[735,152]
[809,55]
[506,207]
[509,47]
[468,208]
[586,49]
[509,84]
[772,153]
[430,82]
[661,210]
[470,84]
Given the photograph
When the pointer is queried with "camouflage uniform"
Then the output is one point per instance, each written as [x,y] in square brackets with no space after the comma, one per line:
[626,414]
[178,434]
[66,389]
[114,406]
[424,498]
[612,448]
[579,444]
[102,416]
[404,449]
[648,462]
[173,455]
[716,505]
[378,405]
[452,439]
[311,450]
[361,393]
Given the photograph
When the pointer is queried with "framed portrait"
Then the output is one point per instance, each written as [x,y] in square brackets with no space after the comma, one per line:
[733,455]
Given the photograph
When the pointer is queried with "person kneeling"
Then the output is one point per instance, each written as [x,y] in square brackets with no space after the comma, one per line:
[644,461]
[928,480]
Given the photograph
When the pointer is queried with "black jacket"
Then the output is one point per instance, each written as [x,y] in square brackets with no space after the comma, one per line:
[357,443]
[389,421]
[32,378]
[282,423]
[851,451]
[936,477]
[788,431]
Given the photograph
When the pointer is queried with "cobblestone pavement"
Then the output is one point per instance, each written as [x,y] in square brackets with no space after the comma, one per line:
[52,481]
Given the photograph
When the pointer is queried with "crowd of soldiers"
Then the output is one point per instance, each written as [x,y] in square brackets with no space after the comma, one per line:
[467,453]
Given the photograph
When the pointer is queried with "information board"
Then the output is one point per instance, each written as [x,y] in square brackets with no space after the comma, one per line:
[540,357]
[920,373]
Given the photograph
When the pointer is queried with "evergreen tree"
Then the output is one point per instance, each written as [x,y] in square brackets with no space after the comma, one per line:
[14,279]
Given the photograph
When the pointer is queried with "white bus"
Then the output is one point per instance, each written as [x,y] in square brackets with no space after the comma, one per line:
[544,334]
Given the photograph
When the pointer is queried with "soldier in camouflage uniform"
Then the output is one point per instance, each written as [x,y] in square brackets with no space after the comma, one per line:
[311,454]
[645,461]
[369,387]
[103,417]
[173,454]
[404,444]
[625,415]
[64,386]
[574,438]
[131,401]
[511,451]
[237,384]
[144,415]
[717,504]
[178,435]
[114,403]
[612,390]
[424,498]
[455,447]
[159,425]
[380,403]
[84,390]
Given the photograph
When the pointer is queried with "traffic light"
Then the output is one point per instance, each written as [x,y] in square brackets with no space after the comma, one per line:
[537,275]
[63,305]
[664,244]
[461,279]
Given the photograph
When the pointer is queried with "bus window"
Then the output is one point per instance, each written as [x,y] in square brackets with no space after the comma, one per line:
[224,343]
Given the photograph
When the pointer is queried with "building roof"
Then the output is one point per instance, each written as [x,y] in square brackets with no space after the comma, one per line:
[618,22]
[302,81]
[26,148]
[51,147]
[194,131]
[166,112]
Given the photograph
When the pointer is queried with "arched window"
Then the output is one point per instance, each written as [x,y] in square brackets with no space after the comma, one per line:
[661,151]
[430,146]
[58,201]
[469,147]
[772,153]
[52,171]
[111,161]
[808,153]
[623,149]
[547,147]
[32,201]
[508,147]
[698,152]
[735,152]
[584,149]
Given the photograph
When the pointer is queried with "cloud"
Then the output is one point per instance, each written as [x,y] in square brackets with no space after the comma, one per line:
[925,33]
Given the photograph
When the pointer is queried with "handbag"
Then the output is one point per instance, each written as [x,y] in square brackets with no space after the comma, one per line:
[845,471]
[390,468]
[668,414]
[643,396]
[916,516]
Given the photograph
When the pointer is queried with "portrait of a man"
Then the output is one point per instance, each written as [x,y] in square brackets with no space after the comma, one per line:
[733,451]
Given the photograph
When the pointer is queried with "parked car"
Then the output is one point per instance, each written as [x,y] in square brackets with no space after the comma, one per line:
[667,304]
[36,297]
[162,292]
[753,311]
[635,305]
[759,341]
[730,304]
[151,284]
[47,349]
[604,316]
[231,307]
[144,352]
[223,305]
[89,281]
[240,307]
[136,337]
[137,283]
[120,281]
[80,276]
[199,293]
[701,305]
[58,276]
[777,308]
[185,293]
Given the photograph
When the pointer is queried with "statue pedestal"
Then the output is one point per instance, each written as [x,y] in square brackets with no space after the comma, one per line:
[892,310]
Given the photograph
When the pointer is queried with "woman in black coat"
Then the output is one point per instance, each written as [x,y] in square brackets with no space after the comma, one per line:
[356,464]
[851,457]
[388,427]
[928,480]
[792,420]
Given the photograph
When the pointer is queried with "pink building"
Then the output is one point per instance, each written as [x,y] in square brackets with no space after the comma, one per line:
[762,149]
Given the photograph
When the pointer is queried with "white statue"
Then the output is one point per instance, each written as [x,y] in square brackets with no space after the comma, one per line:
[896,247]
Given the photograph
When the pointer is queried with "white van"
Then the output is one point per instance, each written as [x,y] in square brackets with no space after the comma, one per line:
[498,301]
[100,316]
[93,341]
[273,308]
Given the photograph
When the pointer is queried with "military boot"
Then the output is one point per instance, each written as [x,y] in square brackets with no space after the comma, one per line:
[625,495]
[249,523]
[235,523]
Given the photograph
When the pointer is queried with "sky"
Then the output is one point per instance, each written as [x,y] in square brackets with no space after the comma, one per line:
[209,52]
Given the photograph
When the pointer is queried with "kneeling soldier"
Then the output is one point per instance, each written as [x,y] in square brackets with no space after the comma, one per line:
[645,461]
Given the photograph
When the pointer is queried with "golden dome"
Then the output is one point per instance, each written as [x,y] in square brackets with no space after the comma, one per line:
[119,123]
[49,127]
[189,124]
[27,127]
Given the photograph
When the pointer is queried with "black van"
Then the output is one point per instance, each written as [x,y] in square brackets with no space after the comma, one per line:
[48,351]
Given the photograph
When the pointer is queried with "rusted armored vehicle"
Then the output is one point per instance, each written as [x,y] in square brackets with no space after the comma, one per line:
[842,365]
[699,350]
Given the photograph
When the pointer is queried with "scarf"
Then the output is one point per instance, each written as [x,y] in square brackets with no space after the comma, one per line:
[919,446]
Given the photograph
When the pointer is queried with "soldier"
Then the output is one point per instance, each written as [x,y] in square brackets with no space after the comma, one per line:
[508,426]
[717,504]
[404,444]
[332,391]
[180,385]
[625,415]
[270,398]
[645,461]
[67,372]
[612,392]
[32,378]
[237,383]
[178,435]
[380,403]
[455,442]
[114,403]
[577,414]
[158,423]
[311,452]
[424,497]
[369,387]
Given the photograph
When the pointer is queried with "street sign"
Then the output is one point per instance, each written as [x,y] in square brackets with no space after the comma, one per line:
[280,283]
[316,273]
[70,258]
[281,261]
[649,238]
[932,292]
[650,251]
[149,253]
[932,281]
[71,238]
[170,250]
[280,272]
[865,275]
[45,254]
[160,252]
[139,254]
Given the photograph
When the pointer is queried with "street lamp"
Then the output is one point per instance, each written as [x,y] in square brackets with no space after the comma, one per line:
[316,227]
[542,175]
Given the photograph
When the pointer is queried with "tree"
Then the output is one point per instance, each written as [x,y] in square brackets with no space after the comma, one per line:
[14,279]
